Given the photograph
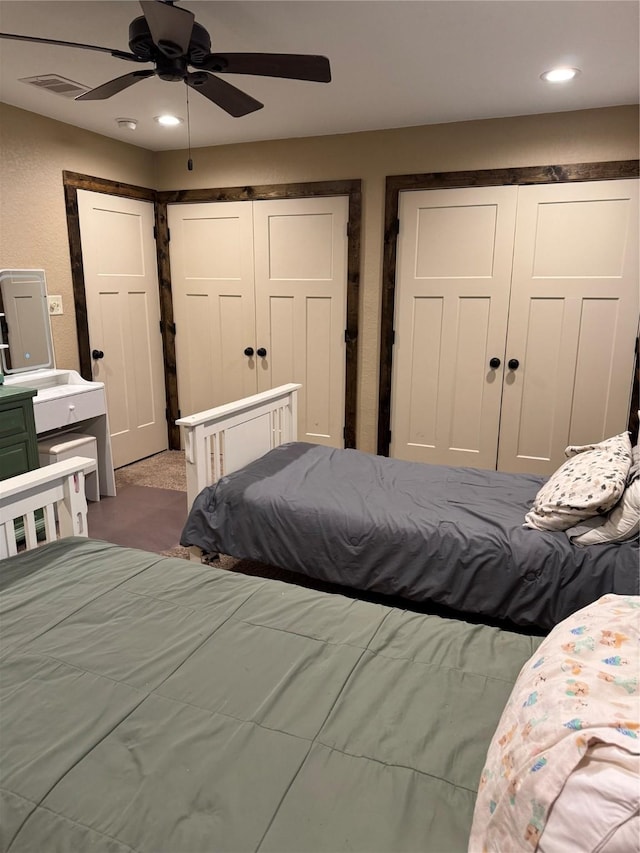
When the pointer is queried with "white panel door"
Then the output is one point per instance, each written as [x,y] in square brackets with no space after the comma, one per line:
[123,314]
[573,321]
[452,299]
[301,299]
[212,282]
[265,275]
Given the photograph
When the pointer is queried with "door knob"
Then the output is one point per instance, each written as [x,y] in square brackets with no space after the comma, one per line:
[248,351]
[513,364]
[494,363]
[97,353]
[262,352]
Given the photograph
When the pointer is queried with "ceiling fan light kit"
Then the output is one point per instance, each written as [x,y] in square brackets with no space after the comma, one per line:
[169,37]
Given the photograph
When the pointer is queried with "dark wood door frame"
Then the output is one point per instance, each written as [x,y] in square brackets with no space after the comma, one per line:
[313,189]
[352,188]
[73,182]
[446,180]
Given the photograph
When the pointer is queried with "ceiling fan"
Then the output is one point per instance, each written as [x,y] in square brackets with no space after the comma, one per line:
[169,37]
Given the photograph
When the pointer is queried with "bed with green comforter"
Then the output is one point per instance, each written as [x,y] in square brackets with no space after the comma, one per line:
[159,705]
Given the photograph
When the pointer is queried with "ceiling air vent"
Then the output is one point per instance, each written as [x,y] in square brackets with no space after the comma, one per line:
[56,84]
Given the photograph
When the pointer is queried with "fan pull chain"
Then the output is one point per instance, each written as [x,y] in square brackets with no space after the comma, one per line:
[189,161]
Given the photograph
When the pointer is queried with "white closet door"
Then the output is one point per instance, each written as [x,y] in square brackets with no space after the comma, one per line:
[123,314]
[301,298]
[572,322]
[211,255]
[452,296]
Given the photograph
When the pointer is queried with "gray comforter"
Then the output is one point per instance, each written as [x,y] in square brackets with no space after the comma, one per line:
[434,533]
[163,706]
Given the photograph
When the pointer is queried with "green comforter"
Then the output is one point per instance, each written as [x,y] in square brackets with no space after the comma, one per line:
[153,704]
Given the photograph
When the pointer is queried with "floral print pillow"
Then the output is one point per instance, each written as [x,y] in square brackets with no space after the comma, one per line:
[589,483]
[578,691]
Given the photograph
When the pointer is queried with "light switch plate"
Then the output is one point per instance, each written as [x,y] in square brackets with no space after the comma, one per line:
[55,304]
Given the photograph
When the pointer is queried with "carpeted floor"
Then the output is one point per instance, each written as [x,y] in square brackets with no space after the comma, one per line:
[149,509]
[162,471]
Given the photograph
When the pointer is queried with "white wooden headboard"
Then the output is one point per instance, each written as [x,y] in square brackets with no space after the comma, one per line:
[55,492]
[223,439]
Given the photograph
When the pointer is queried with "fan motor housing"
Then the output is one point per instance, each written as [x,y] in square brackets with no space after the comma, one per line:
[142,45]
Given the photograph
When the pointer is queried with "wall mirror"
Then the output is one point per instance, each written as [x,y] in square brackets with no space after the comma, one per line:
[24,321]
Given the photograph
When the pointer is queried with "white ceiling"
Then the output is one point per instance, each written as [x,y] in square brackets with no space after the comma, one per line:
[395,63]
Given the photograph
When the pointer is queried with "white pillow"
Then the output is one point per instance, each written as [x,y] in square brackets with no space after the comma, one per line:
[589,483]
[623,522]
[602,797]
[634,470]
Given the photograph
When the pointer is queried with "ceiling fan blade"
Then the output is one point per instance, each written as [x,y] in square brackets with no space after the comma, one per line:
[120,54]
[295,66]
[100,93]
[170,26]
[232,100]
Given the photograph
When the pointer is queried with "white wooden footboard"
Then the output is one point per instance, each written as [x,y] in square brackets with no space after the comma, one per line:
[223,439]
[38,498]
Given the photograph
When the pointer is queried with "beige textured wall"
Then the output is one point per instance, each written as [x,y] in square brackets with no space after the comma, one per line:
[35,151]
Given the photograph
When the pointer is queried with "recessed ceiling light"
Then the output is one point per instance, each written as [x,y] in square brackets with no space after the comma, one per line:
[168,120]
[560,75]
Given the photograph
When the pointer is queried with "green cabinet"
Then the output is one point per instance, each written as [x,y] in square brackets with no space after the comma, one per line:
[18,443]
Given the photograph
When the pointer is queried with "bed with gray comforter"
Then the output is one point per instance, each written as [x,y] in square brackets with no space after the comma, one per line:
[427,533]
[163,706]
